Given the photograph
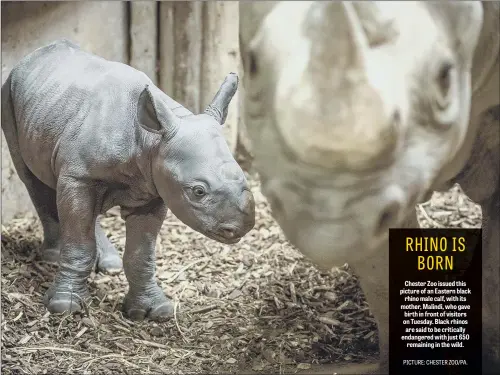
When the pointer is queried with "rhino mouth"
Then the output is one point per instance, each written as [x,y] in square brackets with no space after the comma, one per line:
[219,238]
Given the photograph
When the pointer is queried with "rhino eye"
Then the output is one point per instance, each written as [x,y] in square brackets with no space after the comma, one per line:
[444,78]
[199,191]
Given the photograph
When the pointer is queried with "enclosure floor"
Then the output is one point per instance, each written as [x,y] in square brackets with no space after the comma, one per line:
[256,306]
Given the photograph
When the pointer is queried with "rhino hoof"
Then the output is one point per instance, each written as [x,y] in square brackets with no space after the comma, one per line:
[110,265]
[161,311]
[62,303]
[62,306]
[58,299]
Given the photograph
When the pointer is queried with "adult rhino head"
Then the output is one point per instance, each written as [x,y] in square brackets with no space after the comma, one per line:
[353,109]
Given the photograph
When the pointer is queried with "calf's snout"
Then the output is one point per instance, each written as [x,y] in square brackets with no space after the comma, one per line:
[239,218]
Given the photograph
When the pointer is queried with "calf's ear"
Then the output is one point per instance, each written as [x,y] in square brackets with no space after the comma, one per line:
[153,114]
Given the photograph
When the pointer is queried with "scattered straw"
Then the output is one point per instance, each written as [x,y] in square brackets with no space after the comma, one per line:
[177,323]
[253,306]
[423,212]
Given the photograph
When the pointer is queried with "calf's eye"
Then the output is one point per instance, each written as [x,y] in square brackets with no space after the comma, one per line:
[199,191]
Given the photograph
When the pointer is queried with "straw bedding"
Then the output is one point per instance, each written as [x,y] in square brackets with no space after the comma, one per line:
[256,306]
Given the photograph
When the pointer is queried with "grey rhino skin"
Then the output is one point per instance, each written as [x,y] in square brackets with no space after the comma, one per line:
[86,134]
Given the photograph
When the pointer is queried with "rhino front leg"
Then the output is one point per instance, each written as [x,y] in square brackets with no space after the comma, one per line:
[491,285]
[373,275]
[145,299]
[76,204]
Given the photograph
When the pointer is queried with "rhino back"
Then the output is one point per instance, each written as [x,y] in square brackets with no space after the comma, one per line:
[74,109]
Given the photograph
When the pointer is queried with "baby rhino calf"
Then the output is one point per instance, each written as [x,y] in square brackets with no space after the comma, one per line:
[86,134]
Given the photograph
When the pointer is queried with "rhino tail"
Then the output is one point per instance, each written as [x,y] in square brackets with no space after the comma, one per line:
[8,119]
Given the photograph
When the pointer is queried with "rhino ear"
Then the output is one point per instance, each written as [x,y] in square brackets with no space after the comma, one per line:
[219,107]
[153,114]
[464,21]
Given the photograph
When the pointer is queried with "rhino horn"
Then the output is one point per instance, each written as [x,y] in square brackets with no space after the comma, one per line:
[219,107]
[338,36]
[345,104]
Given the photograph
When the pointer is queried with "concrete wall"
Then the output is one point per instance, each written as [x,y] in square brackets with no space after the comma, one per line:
[186,48]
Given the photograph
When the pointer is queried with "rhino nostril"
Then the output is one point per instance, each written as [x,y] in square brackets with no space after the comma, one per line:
[387,218]
[228,233]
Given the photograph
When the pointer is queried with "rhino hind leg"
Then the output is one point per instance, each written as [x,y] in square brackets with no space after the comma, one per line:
[108,258]
[44,200]
[42,196]
[47,212]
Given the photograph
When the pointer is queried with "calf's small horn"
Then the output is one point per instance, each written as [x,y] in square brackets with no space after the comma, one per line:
[220,103]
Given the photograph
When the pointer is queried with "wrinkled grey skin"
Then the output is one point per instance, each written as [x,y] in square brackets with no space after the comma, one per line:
[357,111]
[87,134]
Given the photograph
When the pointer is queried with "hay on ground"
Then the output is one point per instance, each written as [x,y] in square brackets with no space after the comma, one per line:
[257,305]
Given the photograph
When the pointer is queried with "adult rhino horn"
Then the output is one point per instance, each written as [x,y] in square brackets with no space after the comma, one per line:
[219,107]
[342,105]
[338,37]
